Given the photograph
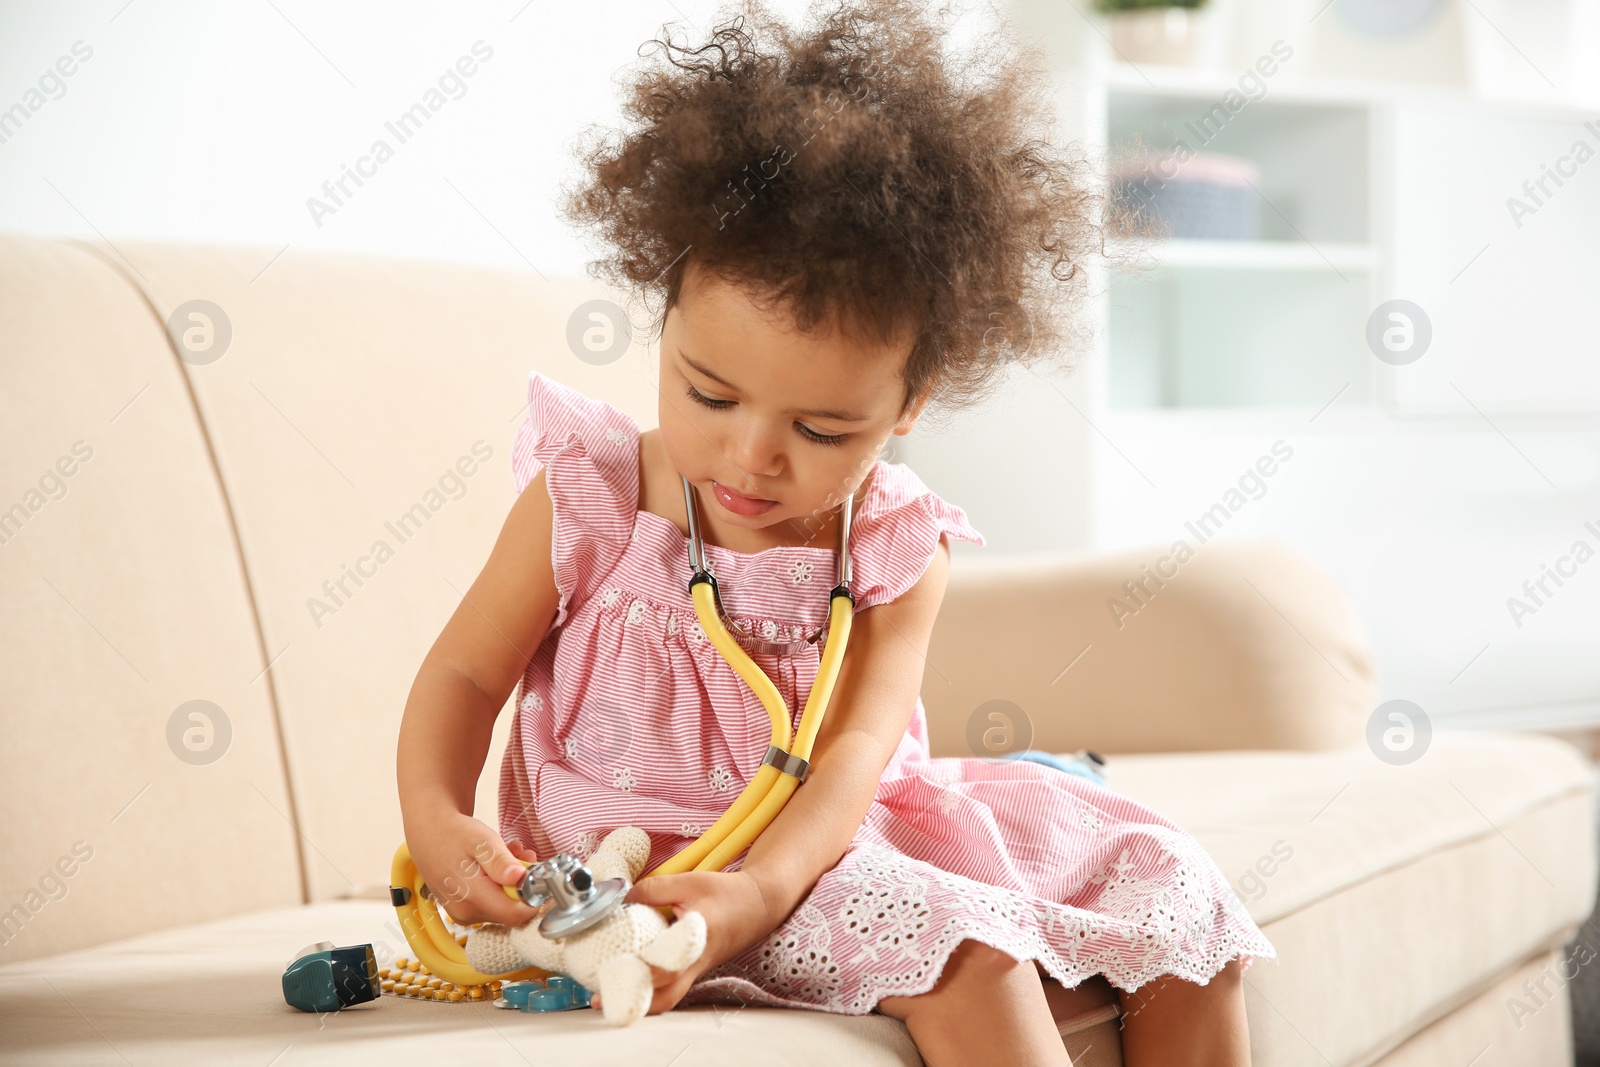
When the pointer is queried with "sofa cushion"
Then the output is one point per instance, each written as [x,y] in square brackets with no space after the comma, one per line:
[1482,1032]
[1391,893]
[212,994]
[1384,890]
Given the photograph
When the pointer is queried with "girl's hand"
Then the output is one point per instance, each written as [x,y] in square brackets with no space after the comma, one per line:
[737,916]
[465,865]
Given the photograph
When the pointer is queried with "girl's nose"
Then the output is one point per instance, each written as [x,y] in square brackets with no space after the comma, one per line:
[756,449]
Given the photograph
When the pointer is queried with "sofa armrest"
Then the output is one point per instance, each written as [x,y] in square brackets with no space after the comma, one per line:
[1240,644]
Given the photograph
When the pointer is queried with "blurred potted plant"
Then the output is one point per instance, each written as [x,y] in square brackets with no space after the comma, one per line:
[1154,31]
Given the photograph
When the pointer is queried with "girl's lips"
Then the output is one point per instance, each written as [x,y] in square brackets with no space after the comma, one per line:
[738,503]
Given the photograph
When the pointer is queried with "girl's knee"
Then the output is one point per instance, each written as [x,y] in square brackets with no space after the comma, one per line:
[976,959]
[1225,984]
[972,969]
[1230,977]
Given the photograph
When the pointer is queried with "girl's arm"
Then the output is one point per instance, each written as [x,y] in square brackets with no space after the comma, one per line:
[872,704]
[449,717]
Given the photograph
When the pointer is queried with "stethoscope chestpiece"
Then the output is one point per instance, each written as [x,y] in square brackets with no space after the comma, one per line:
[580,901]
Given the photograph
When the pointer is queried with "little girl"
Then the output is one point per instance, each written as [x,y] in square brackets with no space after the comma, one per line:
[842,228]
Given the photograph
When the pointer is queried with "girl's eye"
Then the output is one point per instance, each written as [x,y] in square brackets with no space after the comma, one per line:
[822,439]
[809,434]
[700,398]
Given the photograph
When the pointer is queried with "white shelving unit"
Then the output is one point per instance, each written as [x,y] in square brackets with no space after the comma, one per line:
[1368,191]
[1259,255]
[1429,491]
[1274,322]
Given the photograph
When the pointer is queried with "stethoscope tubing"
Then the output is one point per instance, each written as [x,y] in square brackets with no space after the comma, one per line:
[785,767]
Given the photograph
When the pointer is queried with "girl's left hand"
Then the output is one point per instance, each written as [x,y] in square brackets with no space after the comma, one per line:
[736,913]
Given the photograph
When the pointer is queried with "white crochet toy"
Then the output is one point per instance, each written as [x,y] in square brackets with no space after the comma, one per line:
[610,957]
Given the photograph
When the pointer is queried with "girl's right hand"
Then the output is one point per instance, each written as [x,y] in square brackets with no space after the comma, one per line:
[466,866]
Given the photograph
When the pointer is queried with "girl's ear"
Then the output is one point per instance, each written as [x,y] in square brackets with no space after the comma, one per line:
[908,421]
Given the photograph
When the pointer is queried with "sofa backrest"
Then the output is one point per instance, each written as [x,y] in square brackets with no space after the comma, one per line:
[222,525]
[1229,644]
[124,600]
[281,531]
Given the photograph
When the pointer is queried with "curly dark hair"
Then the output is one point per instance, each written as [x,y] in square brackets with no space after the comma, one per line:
[855,175]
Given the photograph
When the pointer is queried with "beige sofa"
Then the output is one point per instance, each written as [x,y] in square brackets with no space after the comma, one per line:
[178,530]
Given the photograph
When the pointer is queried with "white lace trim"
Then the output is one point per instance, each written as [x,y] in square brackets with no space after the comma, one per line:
[887,922]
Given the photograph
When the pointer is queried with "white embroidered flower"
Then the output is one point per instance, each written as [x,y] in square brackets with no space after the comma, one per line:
[672,622]
[697,631]
[572,748]
[616,436]
[948,801]
[584,844]
[610,596]
[719,779]
[801,571]
[1089,820]
[798,958]
[769,629]
[886,917]
[636,611]
[689,829]
[1118,872]
[531,702]
[622,778]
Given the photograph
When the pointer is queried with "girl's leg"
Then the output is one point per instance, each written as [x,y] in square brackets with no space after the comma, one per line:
[1082,998]
[1173,1023]
[985,1008]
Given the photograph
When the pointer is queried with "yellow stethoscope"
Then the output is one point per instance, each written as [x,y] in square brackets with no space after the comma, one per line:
[782,769]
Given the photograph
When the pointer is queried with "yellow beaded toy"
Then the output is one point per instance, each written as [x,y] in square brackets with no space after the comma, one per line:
[410,978]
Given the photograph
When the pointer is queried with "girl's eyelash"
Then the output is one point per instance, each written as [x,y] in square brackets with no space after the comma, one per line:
[716,405]
[823,439]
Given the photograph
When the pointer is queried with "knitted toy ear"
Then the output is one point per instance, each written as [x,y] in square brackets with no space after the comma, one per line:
[678,945]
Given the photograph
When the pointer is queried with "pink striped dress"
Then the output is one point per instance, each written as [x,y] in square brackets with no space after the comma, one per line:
[627,715]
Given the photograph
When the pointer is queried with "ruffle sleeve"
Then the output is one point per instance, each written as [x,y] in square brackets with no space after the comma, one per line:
[591,450]
[893,540]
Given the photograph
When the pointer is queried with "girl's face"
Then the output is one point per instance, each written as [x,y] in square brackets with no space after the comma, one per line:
[794,421]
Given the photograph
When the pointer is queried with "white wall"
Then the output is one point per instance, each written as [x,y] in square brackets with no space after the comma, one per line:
[216,123]
[194,121]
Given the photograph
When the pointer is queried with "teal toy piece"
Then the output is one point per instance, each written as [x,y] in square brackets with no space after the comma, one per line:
[325,978]
[557,993]
[1085,764]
